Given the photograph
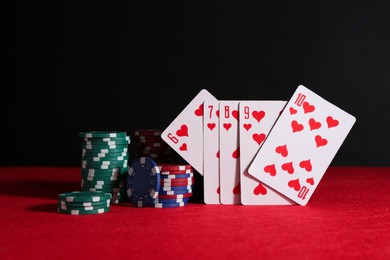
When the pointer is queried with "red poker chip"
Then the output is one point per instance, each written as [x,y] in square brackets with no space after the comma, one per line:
[178,184]
[177,196]
[174,167]
[152,132]
[151,144]
[164,172]
[189,180]
[176,180]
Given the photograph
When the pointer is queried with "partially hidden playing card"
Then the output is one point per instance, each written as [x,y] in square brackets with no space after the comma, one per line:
[185,133]
[229,153]
[211,152]
[301,145]
[256,119]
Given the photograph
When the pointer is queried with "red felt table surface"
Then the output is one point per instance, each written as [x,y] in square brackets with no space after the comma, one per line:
[348,217]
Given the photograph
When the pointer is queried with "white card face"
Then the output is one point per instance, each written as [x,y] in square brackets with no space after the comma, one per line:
[256,119]
[301,145]
[185,133]
[211,152]
[229,153]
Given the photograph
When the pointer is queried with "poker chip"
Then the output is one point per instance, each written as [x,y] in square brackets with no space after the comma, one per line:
[102,134]
[169,205]
[149,132]
[174,196]
[175,184]
[104,150]
[175,192]
[83,196]
[84,204]
[177,176]
[143,182]
[174,167]
[176,172]
[161,200]
[175,188]
[83,211]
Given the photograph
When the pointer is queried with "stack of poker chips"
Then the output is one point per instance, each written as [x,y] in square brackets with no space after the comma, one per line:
[83,202]
[176,183]
[161,185]
[148,143]
[104,162]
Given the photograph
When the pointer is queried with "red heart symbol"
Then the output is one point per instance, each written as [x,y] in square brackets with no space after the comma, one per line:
[288,167]
[211,126]
[183,147]
[247,126]
[217,154]
[183,131]
[217,113]
[307,108]
[320,141]
[258,115]
[314,124]
[199,110]
[270,169]
[259,138]
[237,189]
[292,111]
[294,184]
[227,126]
[296,127]
[218,190]
[331,122]
[310,181]
[260,189]
[282,150]
[235,114]
[306,165]
[236,153]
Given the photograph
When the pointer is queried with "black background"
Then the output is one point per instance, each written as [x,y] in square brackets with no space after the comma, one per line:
[124,66]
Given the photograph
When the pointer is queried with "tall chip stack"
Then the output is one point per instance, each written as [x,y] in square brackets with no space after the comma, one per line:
[104,162]
[149,143]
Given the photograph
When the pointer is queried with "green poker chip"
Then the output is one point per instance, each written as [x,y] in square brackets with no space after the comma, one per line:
[101,178]
[106,160]
[84,196]
[106,190]
[114,170]
[83,211]
[102,156]
[104,150]
[103,146]
[84,204]
[104,167]
[102,134]
[107,139]
[93,207]
[109,143]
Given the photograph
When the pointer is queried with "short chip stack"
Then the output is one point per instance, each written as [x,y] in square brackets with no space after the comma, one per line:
[104,162]
[83,202]
[159,185]
[148,143]
[176,185]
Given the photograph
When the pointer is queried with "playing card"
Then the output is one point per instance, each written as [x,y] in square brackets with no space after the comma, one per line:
[301,145]
[256,119]
[185,133]
[211,152]
[229,153]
